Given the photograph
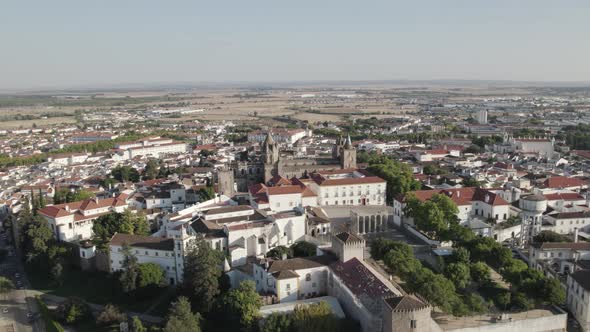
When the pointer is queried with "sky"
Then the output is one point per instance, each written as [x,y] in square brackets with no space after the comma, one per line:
[77,43]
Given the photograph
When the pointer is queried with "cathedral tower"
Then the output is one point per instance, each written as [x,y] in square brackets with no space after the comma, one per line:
[348,154]
[270,151]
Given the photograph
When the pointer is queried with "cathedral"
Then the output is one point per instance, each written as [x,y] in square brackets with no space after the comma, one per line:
[273,163]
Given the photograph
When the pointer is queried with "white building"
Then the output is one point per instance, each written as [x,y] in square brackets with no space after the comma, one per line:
[147,249]
[578,297]
[482,116]
[348,187]
[73,221]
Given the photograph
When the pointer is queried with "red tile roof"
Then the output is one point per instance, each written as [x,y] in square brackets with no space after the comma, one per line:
[563,182]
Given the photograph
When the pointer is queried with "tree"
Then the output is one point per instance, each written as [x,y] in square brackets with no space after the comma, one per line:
[127,222]
[181,318]
[6,285]
[480,272]
[201,274]
[128,277]
[125,173]
[552,292]
[471,182]
[37,237]
[381,246]
[243,304]
[314,318]
[150,274]
[206,193]
[401,263]
[137,325]
[460,255]
[458,273]
[428,217]
[277,322]
[72,310]
[152,169]
[399,177]
[110,315]
[304,249]
[280,251]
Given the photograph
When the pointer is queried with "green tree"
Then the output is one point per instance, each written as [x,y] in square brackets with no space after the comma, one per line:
[201,274]
[458,273]
[401,263]
[206,193]
[460,255]
[399,177]
[480,272]
[128,277]
[6,285]
[243,304]
[279,251]
[110,315]
[427,216]
[314,318]
[137,325]
[381,246]
[37,237]
[125,173]
[150,274]
[304,249]
[72,310]
[181,318]
[552,292]
[152,169]
[127,222]
[277,322]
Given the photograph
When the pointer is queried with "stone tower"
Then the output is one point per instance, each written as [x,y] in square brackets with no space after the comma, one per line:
[407,313]
[270,150]
[225,182]
[348,154]
[347,246]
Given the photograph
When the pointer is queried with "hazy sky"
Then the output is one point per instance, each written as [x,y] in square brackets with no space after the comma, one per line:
[81,43]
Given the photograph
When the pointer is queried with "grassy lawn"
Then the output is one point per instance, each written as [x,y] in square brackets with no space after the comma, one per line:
[95,287]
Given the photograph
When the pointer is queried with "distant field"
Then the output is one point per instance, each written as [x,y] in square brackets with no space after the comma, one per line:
[39,122]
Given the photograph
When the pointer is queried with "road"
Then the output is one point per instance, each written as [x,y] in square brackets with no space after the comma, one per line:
[18,305]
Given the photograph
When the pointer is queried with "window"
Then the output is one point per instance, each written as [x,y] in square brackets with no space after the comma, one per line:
[313,284]
[147,253]
[157,253]
[308,277]
[413,324]
[288,286]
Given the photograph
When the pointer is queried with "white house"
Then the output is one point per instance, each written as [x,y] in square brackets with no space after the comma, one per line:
[578,297]
[73,221]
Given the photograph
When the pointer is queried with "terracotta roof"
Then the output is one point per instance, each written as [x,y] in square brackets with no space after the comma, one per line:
[563,245]
[285,274]
[563,182]
[405,303]
[147,242]
[564,196]
[360,280]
